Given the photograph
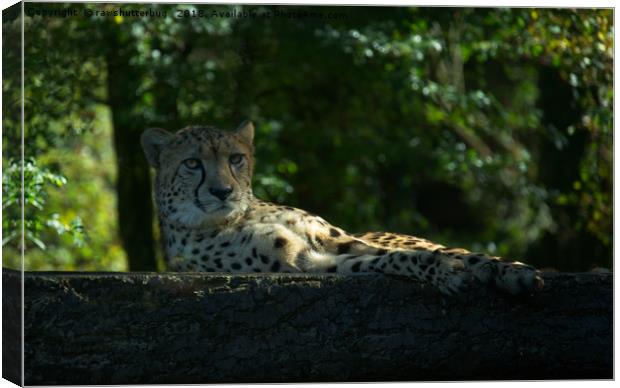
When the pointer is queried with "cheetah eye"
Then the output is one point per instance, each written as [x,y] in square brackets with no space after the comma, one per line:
[235,158]
[191,163]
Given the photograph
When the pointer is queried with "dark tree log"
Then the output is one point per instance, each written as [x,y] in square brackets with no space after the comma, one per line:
[12,326]
[120,328]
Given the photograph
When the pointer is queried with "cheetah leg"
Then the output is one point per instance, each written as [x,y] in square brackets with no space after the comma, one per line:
[443,272]
[511,276]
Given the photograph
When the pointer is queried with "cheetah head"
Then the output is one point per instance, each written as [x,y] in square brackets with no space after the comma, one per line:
[203,174]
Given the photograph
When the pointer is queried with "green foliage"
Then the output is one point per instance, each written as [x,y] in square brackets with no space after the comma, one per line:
[37,182]
[69,219]
[65,202]
[484,128]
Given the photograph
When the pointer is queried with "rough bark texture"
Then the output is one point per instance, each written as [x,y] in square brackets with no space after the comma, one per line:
[12,327]
[113,328]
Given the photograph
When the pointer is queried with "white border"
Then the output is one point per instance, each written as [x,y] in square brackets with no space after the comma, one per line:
[456,3]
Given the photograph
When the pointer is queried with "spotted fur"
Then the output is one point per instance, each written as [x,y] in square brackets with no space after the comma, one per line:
[210,221]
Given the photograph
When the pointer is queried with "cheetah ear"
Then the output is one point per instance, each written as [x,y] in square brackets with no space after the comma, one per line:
[246,131]
[152,140]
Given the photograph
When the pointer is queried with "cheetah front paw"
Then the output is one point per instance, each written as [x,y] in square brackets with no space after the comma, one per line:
[451,276]
[518,278]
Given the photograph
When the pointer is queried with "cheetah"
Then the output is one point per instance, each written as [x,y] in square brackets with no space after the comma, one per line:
[211,222]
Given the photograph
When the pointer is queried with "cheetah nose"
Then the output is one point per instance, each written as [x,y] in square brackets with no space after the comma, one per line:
[221,192]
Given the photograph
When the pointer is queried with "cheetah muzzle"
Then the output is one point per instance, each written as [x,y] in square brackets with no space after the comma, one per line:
[210,221]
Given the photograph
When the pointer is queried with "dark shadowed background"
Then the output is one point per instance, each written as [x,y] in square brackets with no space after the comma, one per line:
[489,129]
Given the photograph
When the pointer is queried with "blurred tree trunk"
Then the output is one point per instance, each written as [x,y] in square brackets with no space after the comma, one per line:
[133,183]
